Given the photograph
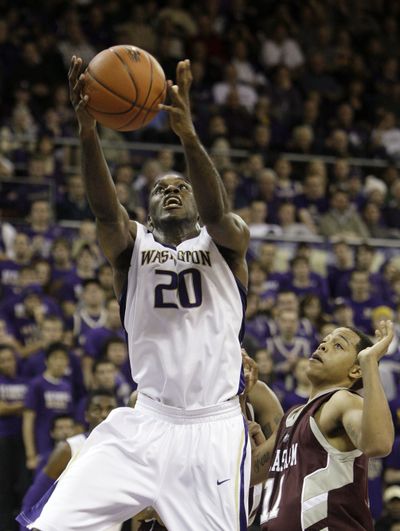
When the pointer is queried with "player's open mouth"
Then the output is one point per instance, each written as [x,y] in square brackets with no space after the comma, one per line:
[316,357]
[172,202]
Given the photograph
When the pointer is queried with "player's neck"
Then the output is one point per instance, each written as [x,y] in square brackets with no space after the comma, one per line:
[175,234]
[320,388]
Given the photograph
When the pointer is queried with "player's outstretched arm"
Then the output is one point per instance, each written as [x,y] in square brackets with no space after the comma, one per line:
[368,421]
[226,228]
[114,231]
[261,453]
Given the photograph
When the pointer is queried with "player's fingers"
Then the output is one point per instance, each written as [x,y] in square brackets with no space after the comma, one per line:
[169,108]
[173,94]
[82,103]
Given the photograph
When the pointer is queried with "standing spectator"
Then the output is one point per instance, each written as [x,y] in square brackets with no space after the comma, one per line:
[61,259]
[342,219]
[42,231]
[302,281]
[302,386]
[91,312]
[10,268]
[13,476]
[313,198]
[48,395]
[341,267]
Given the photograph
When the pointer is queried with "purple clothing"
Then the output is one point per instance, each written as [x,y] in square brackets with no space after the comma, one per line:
[96,338]
[316,207]
[47,399]
[35,366]
[9,273]
[291,399]
[362,313]
[335,275]
[257,329]
[316,286]
[71,287]
[376,281]
[283,351]
[48,236]
[12,390]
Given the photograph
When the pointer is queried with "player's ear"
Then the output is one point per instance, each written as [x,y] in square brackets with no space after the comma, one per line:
[355,372]
[150,224]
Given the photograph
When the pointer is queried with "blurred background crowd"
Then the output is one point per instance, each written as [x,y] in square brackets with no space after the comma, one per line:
[298,104]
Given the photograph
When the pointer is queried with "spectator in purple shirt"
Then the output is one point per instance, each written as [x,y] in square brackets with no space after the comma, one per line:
[96,338]
[302,281]
[286,346]
[61,260]
[41,230]
[362,301]
[342,266]
[10,268]
[301,386]
[116,351]
[313,198]
[48,395]
[72,286]
[13,475]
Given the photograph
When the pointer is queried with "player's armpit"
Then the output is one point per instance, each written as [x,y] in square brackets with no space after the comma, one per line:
[58,460]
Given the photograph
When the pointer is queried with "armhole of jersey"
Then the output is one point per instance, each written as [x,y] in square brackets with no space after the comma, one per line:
[122,300]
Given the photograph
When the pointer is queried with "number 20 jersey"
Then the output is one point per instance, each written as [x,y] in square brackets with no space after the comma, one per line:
[183,312]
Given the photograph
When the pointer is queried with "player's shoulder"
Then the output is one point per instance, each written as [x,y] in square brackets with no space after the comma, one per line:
[342,400]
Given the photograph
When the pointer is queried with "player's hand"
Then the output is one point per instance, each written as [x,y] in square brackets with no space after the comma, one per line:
[250,369]
[76,79]
[384,335]
[257,437]
[32,462]
[180,116]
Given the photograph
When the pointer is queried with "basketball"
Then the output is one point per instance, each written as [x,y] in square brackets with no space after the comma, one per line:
[125,84]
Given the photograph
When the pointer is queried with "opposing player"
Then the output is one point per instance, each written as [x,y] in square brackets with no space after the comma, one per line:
[184,448]
[317,470]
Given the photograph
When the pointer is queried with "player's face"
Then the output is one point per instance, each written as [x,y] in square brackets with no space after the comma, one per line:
[172,199]
[335,359]
[99,409]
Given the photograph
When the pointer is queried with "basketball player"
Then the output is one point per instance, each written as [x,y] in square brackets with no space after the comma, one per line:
[184,449]
[318,469]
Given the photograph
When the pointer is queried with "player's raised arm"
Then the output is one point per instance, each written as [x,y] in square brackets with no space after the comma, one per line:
[225,228]
[114,231]
[368,422]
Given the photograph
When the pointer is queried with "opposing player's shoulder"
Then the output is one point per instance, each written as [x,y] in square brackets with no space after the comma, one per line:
[341,401]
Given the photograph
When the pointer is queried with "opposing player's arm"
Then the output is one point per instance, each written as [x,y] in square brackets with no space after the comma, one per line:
[267,409]
[261,454]
[58,460]
[368,421]
[115,232]
[226,228]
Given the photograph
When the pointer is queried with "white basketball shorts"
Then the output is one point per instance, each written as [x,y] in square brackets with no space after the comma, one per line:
[191,466]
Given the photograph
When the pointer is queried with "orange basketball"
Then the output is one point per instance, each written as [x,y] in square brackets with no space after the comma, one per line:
[125,84]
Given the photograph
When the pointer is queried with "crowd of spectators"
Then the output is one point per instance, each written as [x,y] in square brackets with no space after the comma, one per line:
[318,79]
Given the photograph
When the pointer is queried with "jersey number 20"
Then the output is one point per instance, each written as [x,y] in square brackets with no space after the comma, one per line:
[184,287]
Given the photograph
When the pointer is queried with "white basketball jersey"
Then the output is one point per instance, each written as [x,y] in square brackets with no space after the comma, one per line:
[76,442]
[183,312]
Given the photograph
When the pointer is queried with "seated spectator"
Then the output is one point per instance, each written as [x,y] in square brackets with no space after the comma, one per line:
[41,230]
[302,140]
[247,96]
[91,312]
[106,278]
[85,269]
[362,300]
[342,313]
[10,267]
[116,350]
[13,476]
[316,77]
[373,218]
[48,395]
[387,135]
[265,190]
[280,49]
[391,509]
[291,227]
[286,187]
[264,285]
[286,346]
[313,197]
[258,226]
[342,219]
[301,386]
[73,205]
[61,258]
[302,281]
[265,365]
[256,321]
[311,309]
[341,267]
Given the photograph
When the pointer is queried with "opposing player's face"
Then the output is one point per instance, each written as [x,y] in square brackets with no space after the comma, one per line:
[99,409]
[172,199]
[335,360]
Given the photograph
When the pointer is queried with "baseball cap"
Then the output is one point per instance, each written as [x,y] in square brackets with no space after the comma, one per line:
[391,493]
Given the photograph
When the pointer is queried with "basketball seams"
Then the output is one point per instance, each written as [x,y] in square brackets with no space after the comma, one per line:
[111,90]
[131,120]
[130,76]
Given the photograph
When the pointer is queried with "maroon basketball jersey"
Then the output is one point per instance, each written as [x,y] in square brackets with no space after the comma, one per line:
[311,485]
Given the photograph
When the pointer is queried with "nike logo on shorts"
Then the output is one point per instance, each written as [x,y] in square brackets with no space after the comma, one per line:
[223,481]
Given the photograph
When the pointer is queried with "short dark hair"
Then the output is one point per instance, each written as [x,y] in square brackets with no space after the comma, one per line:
[61,416]
[111,341]
[364,342]
[99,392]
[89,281]
[101,361]
[56,347]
